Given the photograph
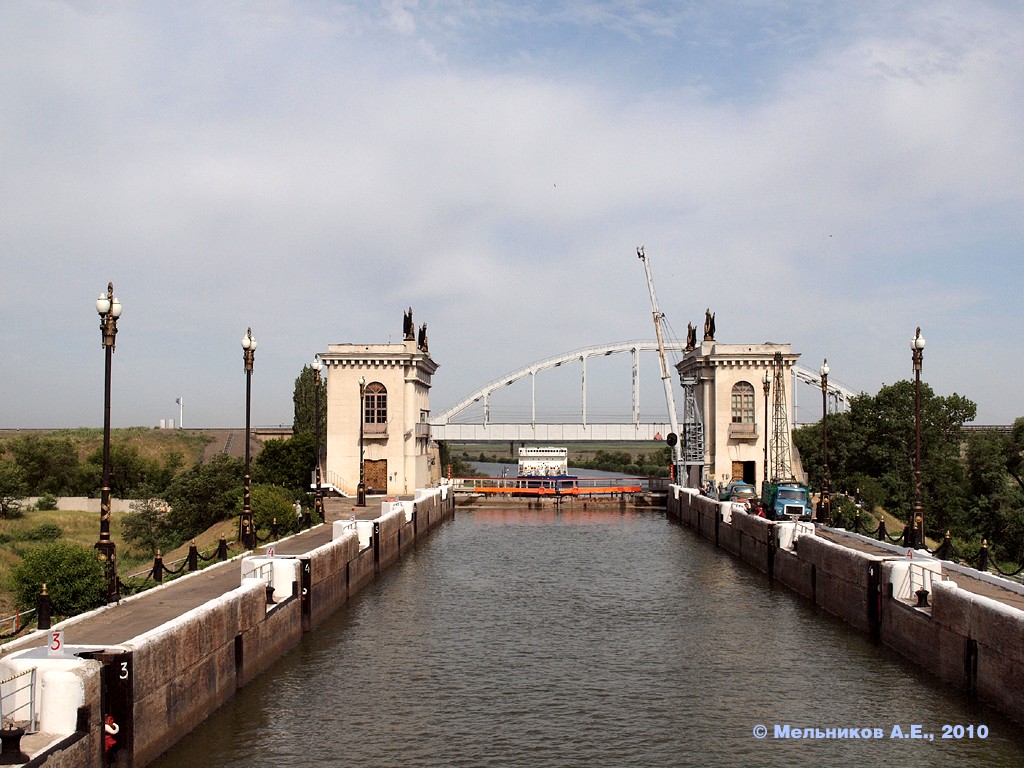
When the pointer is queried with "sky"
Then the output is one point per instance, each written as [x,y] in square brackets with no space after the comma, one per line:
[831,175]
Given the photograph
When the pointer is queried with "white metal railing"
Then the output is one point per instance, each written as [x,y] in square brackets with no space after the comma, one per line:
[9,689]
[335,480]
[264,571]
[920,578]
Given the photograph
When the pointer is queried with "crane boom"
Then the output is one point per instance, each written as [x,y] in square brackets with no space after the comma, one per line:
[666,380]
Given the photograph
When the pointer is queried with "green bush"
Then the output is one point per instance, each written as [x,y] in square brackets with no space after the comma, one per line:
[72,574]
[44,532]
[272,502]
[47,501]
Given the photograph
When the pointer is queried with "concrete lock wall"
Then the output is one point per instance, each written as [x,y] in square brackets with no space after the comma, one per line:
[328,575]
[386,529]
[182,671]
[186,669]
[966,639]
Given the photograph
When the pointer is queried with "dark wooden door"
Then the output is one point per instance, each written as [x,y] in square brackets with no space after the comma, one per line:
[376,473]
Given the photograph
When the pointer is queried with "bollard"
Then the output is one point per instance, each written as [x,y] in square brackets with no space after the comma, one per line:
[983,556]
[922,597]
[222,549]
[43,608]
[193,556]
[273,529]
[158,568]
[881,530]
[944,550]
[856,520]
[270,594]
[10,753]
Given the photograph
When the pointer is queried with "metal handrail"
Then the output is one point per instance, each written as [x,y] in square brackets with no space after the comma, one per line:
[17,622]
[926,578]
[264,571]
[7,715]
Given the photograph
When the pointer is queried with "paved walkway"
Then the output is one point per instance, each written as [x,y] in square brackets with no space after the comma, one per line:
[963,580]
[120,622]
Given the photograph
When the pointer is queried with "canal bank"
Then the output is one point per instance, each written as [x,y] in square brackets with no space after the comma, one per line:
[160,663]
[932,612]
[543,638]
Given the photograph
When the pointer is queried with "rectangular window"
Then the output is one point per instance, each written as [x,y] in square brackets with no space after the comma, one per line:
[742,407]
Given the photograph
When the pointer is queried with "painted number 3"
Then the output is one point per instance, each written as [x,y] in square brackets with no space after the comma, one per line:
[56,640]
[124,670]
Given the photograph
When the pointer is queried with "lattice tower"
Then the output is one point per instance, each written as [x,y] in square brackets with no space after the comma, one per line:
[781,456]
[693,433]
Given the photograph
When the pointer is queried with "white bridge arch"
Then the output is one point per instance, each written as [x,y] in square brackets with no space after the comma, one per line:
[444,427]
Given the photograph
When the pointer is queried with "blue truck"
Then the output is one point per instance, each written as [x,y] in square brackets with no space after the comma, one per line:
[786,500]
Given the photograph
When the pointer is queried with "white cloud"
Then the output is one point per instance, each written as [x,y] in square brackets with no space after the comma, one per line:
[311,171]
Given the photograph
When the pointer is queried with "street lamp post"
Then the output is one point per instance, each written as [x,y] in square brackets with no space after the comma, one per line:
[766,383]
[246,529]
[319,493]
[825,507]
[917,351]
[361,489]
[109,309]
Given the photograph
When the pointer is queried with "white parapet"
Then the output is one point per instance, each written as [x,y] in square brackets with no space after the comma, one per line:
[339,528]
[282,573]
[407,507]
[59,688]
[675,490]
[63,692]
[914,572]
[788,532]
[364,528]
[725,510]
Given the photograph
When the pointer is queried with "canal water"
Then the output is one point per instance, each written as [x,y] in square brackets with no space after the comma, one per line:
[600,636]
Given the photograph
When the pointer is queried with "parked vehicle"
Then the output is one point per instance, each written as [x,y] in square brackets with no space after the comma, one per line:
[738,491]
[786,500]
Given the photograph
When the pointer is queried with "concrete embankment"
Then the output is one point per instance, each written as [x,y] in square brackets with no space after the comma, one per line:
[969,634]
[167,675]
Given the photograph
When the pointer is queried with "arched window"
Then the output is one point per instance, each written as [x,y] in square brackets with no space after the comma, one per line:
[743,403]
[375,408]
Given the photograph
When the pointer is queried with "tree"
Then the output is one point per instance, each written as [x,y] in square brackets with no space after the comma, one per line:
[49,463]
[288,463]
[996,492]
[145,526]
[872,446]
[270,503]
[304,399]
[131,474]
[204,495]
[72,574]
[458,466]
[12,488]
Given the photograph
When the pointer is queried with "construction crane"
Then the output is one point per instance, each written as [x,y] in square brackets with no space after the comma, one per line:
[659,319]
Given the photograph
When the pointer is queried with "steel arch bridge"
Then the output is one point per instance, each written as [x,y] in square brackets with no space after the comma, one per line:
[444,426]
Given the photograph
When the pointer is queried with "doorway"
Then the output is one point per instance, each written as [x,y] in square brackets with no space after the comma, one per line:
[375,472]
